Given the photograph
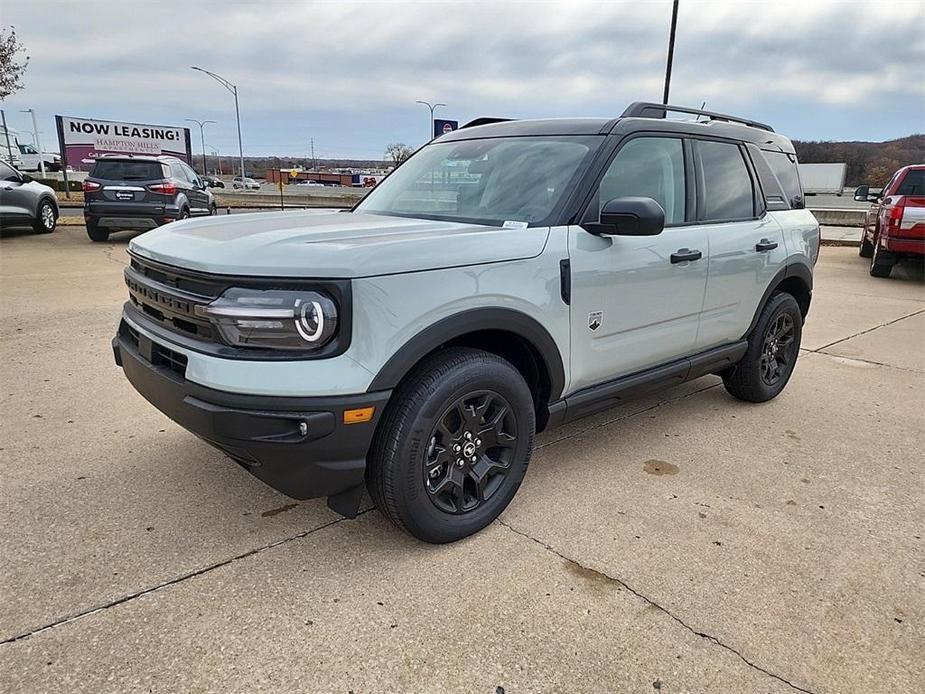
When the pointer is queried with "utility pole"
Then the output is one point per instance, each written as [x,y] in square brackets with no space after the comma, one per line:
[430,125]
[202,138]
[35,140]
[674,25]
[237,113]
[6,133]
[314,163]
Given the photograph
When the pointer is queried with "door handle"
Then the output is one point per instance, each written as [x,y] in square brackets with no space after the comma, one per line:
[682,254]
[765,245]
[7,187]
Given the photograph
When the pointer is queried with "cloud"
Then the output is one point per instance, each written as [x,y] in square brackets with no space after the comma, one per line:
[348,72]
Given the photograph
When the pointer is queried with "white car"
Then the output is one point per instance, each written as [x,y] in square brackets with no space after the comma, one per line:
[245,183]
[311,184]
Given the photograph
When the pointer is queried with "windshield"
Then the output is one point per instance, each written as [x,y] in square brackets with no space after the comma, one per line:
[490,181]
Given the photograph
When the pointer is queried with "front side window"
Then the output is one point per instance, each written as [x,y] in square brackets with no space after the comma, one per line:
[727,184]
[7,173]
[651,167]
[487,181]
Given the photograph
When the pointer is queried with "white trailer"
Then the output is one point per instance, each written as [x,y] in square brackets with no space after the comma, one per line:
[823,179]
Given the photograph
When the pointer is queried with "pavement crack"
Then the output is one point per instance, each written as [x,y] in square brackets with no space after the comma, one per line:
[664,610]
[171,582]
[868,330]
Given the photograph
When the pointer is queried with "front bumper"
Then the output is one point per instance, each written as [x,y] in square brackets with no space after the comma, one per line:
[262,433]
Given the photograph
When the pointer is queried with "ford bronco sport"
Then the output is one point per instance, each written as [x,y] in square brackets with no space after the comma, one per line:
[509,277]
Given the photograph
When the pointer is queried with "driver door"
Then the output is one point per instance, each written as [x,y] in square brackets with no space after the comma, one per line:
[15,203]
[636,301]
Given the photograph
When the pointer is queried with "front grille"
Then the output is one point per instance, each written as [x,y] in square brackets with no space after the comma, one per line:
[170,299]
[155,353]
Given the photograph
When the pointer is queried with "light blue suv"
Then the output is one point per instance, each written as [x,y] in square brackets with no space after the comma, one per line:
[509,277]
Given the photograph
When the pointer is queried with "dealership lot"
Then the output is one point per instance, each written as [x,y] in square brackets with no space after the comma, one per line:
[686,542]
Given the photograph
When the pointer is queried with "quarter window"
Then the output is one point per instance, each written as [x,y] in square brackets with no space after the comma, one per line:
[728,192]
[784,167]
[651,167]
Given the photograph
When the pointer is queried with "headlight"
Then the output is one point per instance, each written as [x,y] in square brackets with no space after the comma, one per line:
[273,318]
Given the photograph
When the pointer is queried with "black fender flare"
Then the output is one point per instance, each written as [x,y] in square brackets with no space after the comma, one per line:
[798,270]
[470,321]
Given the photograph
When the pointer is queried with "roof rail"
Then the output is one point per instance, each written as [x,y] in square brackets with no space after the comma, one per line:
[643,109]
[485,121]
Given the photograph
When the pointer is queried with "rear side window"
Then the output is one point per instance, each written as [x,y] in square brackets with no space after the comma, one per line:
[913,183]
[727,184]
[784,167]
[652,167]
[127,170]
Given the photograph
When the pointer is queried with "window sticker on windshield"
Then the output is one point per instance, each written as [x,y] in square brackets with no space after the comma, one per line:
[509,224]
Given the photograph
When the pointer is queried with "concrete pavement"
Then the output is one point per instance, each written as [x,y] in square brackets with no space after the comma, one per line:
[686,542]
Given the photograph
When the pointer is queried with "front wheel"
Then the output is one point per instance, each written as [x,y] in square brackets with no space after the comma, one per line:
[867,248]
[773,348]
[46,219]
[453,446]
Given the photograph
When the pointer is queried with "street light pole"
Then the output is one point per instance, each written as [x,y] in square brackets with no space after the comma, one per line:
[202,138]
[237,112]
[674,25]
[35,140]
[432,107]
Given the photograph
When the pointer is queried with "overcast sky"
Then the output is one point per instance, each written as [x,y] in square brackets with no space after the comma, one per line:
[348,73]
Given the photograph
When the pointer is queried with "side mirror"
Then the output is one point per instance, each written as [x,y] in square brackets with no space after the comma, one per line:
[862,193]
[631,216]
[26,178]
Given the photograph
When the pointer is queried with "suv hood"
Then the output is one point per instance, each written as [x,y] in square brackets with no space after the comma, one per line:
[342,245]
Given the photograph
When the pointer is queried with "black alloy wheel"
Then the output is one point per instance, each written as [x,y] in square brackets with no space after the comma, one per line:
[777,355]
[470,452]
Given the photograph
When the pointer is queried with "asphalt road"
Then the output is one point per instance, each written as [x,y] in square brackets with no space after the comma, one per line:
[683,543]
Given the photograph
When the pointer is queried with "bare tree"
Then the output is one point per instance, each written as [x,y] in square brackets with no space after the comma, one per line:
[12,65]
[397,152]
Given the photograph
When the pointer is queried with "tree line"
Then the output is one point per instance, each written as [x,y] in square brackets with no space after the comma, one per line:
[868,162]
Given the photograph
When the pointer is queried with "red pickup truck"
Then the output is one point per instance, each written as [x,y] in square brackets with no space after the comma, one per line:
[894,227]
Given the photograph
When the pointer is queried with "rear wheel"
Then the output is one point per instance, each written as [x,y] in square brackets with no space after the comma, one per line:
[46,219]
[881,261]
[213,210]
[773,348]
[95,232]
[453,448]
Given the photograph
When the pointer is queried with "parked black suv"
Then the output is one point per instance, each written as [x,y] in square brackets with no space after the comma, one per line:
[141,192]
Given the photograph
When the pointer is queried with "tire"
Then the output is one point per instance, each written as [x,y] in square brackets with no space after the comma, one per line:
[184,214]
[769,361]
[213,210]
[430,414]
[867,248]
[881,262]
[96,233]
[46,219]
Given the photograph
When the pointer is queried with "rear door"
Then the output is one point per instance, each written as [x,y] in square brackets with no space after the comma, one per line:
[747,246]
[196,192]
[634,305]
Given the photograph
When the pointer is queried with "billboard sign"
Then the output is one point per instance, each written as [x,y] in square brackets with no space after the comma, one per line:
[82,140]
[442,127]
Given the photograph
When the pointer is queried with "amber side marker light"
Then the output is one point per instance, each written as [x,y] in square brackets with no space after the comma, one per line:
[359,415]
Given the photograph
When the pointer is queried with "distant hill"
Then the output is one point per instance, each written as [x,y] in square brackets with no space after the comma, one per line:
[868,162]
